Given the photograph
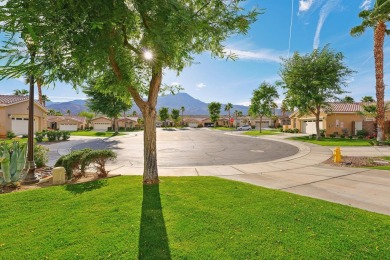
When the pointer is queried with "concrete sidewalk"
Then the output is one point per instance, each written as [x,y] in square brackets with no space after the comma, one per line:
[302,173]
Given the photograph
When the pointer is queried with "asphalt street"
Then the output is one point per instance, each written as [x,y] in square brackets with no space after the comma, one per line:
[189,147]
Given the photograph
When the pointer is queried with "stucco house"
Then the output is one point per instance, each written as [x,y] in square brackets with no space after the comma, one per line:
[339,118]
[66,123]
[14,115]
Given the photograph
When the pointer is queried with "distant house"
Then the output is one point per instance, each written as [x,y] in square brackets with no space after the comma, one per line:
[14,115]
[128,122]
[193,122]
[339,118]
[66,123]
[101,123]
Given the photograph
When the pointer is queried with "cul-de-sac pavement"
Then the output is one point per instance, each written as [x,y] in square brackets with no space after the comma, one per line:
[269,161]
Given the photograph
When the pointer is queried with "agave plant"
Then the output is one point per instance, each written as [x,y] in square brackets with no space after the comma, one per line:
[12,161]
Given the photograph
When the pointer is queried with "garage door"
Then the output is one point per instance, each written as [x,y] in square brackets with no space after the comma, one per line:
[309,127]
[19,125]
[65,127]
[264,124]
[101,126]
[193,125]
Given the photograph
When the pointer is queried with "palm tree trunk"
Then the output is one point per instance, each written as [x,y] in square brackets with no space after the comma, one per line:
[39,87]
[379,36]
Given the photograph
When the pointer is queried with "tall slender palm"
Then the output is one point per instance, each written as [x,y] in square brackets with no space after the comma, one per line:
[68,112]
[182,109]
[228,106]
[39,88]
[377,18]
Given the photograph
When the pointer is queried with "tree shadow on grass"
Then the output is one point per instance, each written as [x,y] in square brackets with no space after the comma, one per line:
[80,188]
[153,238]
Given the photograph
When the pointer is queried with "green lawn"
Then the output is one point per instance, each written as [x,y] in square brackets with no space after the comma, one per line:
[333,141]
[184,218]
[93,133]
[263,132]
[223,128]
[382,167]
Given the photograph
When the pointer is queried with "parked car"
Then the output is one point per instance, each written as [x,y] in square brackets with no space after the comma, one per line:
[244,127]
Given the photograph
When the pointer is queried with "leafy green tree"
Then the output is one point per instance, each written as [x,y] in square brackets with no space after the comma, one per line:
[377,18]
[87,115]
[262,101]
[128,43]
[348,99]
[228,106]
[68,112]
[214,111]
[368,99]
[175,115]
[108,103]
[164,115]
[313,80]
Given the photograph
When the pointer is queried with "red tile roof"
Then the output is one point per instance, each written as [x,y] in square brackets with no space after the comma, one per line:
[339,107]
[11,99]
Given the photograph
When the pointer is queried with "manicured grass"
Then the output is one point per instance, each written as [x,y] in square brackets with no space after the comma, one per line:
[223,128]
[10,141]
[93,133]
[333,141]
[184,218]
[263,132]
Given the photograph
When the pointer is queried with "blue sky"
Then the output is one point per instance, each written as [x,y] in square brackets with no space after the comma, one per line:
[313,23]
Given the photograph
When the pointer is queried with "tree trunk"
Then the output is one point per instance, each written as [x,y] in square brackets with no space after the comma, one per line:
[229,119]
[379,36]
[39,87]
[116,125]
[261,119]
[150,149]
[318,125]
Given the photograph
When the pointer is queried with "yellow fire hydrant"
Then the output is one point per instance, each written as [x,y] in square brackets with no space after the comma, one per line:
[337,155]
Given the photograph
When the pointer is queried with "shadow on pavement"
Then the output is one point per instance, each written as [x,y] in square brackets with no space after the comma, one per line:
[153,238]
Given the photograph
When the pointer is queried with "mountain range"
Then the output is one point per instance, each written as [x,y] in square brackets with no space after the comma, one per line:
[191,105]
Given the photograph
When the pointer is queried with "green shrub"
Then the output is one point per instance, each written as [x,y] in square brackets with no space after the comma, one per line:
[65,135]
[40,155]
[342,136]
[58,135]
[99,159]
[295,130]
[332,135]
[72,162]
[39,136]
[100,133]
[350,136]
[51,136]
[10,134]
[360,137]
[362,133]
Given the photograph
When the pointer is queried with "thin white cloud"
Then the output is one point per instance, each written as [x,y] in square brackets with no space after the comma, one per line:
[260,55]
[325,10]
[244,103]
[304,5]
[200,85]
[175,83]
[366,4]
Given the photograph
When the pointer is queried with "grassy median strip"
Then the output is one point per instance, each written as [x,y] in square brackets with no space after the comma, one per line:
[184,217]
[263,132]
[333,141]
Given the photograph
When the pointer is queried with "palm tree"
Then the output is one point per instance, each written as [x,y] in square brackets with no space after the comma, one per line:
[377,18]
[23,92]
[68,112]
[39,88]
[44,100]
[182,109]
[228,106]
[368,99]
